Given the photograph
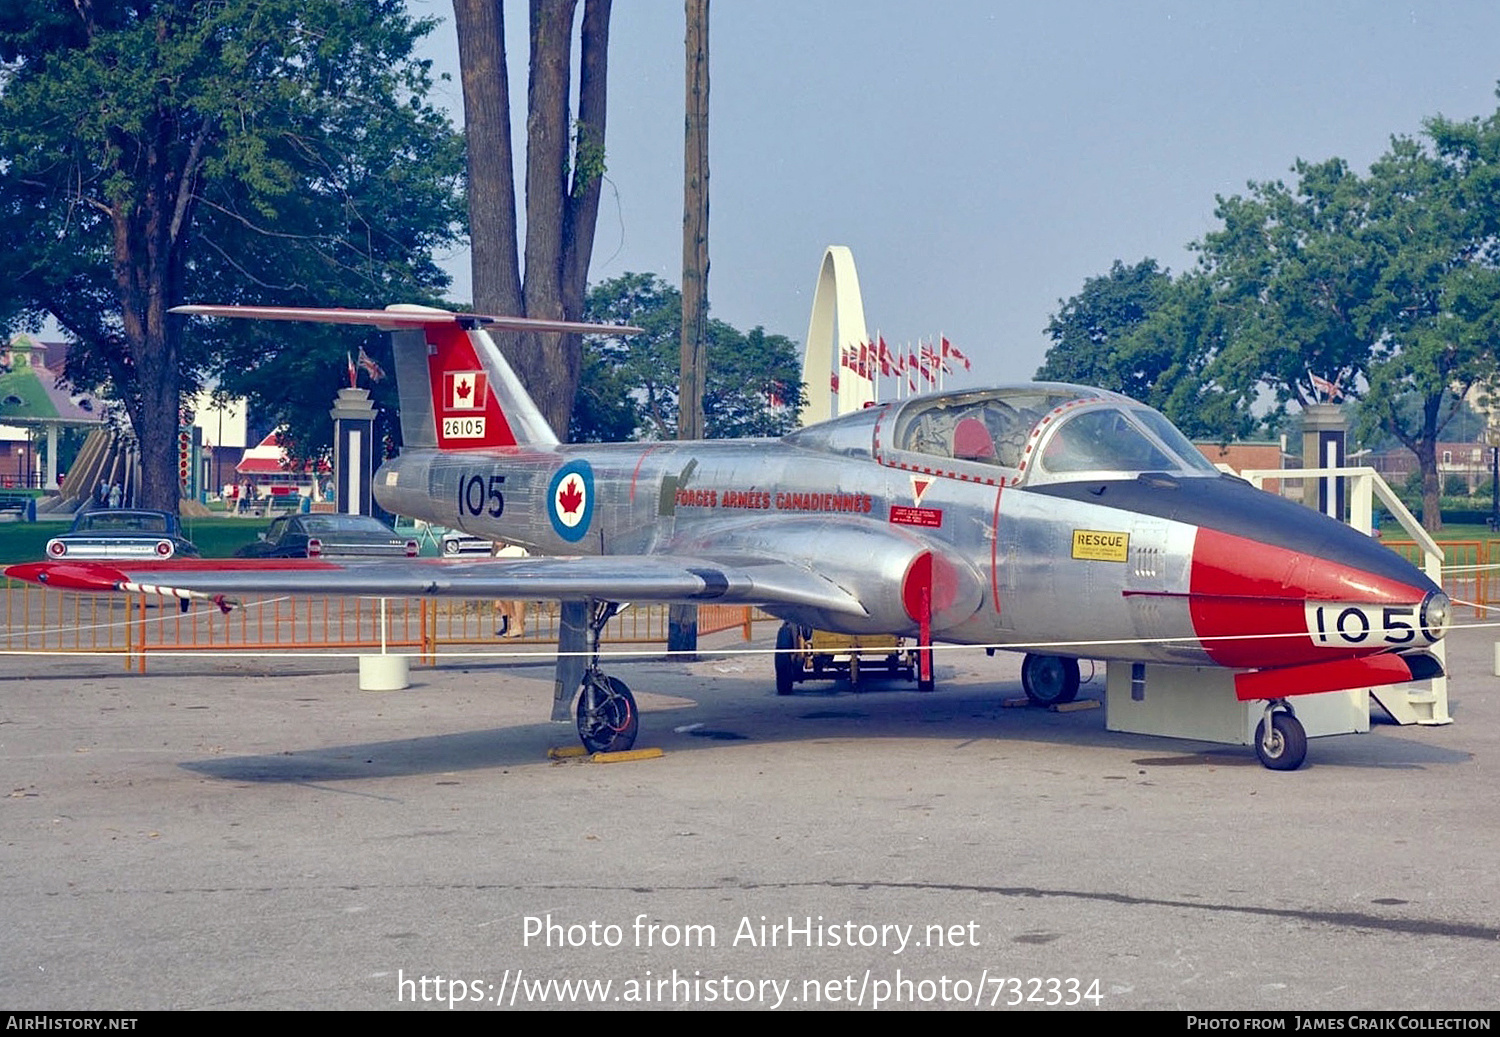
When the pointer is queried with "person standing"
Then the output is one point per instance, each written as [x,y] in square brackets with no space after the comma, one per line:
[511,621]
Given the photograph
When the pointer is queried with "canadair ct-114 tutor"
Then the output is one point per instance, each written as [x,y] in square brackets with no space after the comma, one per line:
[1041,514]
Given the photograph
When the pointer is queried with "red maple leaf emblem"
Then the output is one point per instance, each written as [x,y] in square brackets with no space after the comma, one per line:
[570,496]
[463,390]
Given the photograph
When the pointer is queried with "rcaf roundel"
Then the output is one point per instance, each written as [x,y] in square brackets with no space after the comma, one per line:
[570,496]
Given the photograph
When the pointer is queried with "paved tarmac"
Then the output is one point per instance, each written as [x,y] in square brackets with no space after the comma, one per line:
[242,833]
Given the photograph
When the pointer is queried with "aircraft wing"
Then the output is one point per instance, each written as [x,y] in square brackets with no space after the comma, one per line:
[610,577]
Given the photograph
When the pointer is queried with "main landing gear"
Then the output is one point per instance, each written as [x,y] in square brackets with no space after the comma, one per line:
[1280,739]
[1049,680]
[606,715]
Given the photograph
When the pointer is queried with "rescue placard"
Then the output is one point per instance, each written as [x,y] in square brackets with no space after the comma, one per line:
[1093,545]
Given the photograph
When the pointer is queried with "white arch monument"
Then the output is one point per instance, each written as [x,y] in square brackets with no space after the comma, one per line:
[836,306]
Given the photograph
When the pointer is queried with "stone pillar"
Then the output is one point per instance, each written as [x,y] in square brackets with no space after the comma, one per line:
[1324,432]
[353,450]
[49,483]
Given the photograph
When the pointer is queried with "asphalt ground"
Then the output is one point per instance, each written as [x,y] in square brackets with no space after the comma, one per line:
[227,833]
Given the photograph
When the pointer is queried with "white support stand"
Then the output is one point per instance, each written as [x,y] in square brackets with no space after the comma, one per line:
[1198,702]
[384,672]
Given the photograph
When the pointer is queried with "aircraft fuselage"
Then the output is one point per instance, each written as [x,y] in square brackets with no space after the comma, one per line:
[1163,568]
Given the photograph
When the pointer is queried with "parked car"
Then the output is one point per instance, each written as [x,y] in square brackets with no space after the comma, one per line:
[122,533]
[324,536]
[457,542]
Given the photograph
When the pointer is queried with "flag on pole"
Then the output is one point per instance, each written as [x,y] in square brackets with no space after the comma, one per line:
[1329,390]
[369,366]
[929,365]
[949,349]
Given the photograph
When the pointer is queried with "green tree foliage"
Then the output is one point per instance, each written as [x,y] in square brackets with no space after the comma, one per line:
[1092,332]
[1437,303]
[264,151]
[754,384]
[1292,271]
[1139,332]
[1387,283]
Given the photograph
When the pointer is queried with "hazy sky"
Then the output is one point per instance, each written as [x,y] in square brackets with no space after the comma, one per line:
[982,159]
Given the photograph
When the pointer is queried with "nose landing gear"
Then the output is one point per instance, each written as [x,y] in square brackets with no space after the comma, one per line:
[1280,740]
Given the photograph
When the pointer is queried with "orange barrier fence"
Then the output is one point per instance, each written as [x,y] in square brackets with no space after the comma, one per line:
[38,619]
[1468,575]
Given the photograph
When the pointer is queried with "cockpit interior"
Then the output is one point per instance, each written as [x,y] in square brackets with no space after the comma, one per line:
[1049,433]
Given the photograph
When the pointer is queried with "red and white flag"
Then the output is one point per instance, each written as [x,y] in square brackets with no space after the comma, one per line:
[466,390]
[930,363]
[1330,390]
[369,366]
[949,349]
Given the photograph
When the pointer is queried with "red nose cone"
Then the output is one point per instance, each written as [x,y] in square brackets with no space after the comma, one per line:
[1258,605]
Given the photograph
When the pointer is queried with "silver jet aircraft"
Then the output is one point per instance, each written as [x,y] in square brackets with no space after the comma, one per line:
[1041,514]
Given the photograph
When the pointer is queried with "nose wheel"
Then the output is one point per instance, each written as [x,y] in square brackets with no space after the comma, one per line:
[1280,739]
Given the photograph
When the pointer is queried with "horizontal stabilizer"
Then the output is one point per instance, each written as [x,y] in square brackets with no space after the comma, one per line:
[397,317]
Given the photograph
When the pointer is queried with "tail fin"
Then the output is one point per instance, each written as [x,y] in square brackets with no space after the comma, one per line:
[457,390]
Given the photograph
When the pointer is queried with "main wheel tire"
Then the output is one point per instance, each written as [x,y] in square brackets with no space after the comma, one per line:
[788,666]
[607,717]
[1288,743]
[1049,680]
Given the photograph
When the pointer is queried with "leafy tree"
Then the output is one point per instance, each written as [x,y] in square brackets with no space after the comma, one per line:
[754,385]
[1091,331]
[241,151]
[1194,383]
[564,174]
[1139,332]
[1388,283]
[1437,303]
[1293,270]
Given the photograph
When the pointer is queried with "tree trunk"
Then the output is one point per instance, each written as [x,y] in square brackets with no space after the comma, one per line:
[496,268]
[1432,489]
[147,268]
[694,224]
[559,220]
[682,632]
